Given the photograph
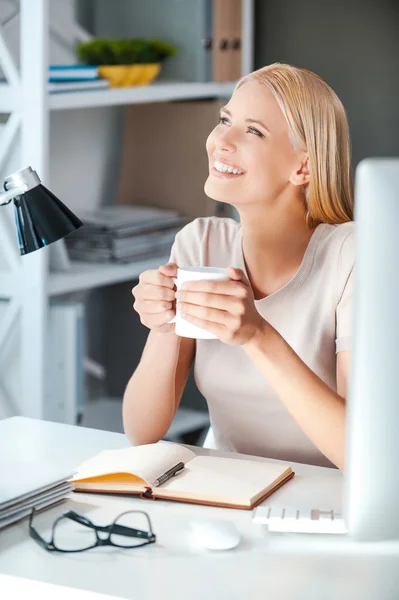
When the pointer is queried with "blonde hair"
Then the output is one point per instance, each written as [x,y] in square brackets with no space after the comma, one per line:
[318,126]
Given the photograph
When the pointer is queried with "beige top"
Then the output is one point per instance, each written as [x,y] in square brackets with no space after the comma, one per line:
[312,312]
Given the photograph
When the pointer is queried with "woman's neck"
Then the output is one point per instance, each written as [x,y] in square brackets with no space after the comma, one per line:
[274,245]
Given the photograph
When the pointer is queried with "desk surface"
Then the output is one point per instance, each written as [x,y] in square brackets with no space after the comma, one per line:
[263,565]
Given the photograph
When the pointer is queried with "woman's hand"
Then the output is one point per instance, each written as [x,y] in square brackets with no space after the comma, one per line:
[154,298]
[224,308]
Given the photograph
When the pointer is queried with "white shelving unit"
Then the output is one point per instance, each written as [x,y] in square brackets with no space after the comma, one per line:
[156,92]
[85,275]
[27,283]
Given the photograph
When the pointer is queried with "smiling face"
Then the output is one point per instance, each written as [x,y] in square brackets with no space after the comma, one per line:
[251,158]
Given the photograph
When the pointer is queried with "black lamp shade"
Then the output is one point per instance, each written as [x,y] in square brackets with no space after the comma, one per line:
[42,219]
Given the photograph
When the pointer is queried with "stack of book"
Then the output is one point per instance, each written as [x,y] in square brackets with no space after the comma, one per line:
[73,78]
[124,233]
[25,486]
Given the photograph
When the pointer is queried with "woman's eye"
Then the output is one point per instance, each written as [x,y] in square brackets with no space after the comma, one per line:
[255,131]
[224,121]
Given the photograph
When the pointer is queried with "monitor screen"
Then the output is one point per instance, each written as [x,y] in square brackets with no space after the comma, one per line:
[371,504]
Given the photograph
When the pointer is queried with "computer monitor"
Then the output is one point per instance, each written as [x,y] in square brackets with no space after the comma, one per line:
[371,504]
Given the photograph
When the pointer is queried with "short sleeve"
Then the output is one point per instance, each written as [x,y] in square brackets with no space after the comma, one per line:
[187,247]
[344,311]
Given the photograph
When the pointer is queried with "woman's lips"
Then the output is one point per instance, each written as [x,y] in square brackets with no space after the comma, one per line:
[221,175]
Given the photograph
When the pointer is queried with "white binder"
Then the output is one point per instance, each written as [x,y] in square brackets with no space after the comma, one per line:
[65,397]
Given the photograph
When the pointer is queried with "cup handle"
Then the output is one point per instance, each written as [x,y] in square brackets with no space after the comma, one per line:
[174,318]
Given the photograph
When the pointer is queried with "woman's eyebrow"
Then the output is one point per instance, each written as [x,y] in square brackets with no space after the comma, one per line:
[226,110]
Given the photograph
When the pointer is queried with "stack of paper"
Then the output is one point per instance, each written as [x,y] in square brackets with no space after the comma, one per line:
[58,87]
[25,486]
[124,233]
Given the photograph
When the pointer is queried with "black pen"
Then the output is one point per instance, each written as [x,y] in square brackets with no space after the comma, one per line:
[169,474]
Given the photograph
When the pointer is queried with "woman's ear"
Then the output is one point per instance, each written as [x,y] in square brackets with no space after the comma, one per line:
[301,175]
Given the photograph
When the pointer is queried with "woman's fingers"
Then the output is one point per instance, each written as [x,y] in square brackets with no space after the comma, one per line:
[155,277]
[225,303]
[152,306]
[152,320]
[154,297]
[146,291]
[170,270]
[227,288]
[205,313]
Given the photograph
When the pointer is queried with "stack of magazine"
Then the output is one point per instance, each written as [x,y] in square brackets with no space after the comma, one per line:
[74,78]
[25,486]
[122,234]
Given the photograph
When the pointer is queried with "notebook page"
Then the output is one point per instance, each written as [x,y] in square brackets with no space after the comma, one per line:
[146,462]
[225,480]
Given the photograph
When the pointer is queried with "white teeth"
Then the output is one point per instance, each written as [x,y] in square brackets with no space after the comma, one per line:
[219,166]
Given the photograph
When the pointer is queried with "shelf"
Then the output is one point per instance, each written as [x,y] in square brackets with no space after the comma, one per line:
[84,275]
[156,92]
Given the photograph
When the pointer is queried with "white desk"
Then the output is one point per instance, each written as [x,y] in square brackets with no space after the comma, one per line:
[263,565]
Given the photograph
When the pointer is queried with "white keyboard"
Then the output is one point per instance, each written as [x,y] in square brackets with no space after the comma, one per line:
[300,520]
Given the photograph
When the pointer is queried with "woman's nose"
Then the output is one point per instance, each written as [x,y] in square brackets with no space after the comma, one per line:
[226,141]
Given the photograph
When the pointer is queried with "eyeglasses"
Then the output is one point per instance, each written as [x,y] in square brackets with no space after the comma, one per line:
[74,533]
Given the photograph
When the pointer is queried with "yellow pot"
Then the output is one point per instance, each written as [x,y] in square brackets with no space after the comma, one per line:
[127,75]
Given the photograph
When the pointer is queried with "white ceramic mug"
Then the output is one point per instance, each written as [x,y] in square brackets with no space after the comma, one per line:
[183,327]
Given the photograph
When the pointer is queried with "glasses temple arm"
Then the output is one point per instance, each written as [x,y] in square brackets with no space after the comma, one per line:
[114,528]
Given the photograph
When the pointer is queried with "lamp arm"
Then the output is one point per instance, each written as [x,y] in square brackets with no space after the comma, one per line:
[6,197]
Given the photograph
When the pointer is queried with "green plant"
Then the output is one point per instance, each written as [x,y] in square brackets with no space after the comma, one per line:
[102,51]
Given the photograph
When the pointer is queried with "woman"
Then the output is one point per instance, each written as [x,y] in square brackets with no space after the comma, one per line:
[275,379]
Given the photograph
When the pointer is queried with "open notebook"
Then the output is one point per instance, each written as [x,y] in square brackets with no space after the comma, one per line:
[212,480]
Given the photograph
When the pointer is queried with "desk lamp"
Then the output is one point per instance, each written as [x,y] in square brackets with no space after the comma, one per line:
[41,218]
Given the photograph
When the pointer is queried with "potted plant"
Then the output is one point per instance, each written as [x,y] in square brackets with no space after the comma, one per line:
[126,62]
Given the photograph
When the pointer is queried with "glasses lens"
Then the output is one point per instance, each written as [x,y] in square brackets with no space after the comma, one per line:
[131,529]
[72,536]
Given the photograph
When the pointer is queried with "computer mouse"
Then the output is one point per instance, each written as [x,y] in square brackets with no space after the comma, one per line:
[215,534]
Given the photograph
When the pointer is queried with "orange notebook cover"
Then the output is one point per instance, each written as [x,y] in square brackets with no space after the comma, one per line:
[228,482]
